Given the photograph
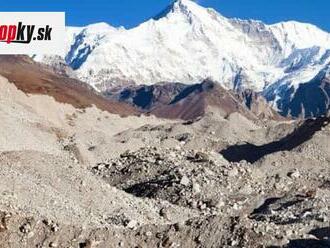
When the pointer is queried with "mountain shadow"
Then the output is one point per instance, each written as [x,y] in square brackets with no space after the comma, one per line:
[322,240]
[253,153]
[186,102]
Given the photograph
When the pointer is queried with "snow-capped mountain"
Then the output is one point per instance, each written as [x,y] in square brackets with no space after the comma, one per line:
[309,99]
[188,43]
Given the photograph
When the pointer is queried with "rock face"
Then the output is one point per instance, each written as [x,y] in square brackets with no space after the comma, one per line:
[310,99]
[258,105]
[147,97]
[175,100]
[187,43]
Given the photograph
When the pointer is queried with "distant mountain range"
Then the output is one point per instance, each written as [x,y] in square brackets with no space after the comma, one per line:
[288,63]
[164,100]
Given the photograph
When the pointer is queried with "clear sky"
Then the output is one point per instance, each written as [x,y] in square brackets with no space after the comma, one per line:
[130,13]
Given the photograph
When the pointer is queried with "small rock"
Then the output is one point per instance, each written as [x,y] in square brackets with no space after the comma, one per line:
[132,224]
[30,234]
[54,227]
[294,174]
[53,244]
[164,213]
[193,204]
[178,226]
[246,189]
[220,204]
[196,188]
[233,172]
[100,167]
[3,225]
[234,243]
[26,228]
[201,157]
[288,233]
[236,206]
[185,181]
[177,148]
[202,206]
[91,148]
[172,154]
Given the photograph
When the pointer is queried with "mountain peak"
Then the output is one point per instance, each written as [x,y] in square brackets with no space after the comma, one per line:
[186,7]
[99,27]
[185,2]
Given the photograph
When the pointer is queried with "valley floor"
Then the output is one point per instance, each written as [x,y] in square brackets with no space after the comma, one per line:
[86,178]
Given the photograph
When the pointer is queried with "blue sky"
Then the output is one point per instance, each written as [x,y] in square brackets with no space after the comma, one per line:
[129,13]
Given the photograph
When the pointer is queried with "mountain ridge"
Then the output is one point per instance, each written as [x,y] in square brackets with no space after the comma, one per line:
[189,102]
[35,79]
[188,43]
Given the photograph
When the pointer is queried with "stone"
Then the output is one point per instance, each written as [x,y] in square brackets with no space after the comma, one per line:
[53,244]
[185,181]
[294,174]
[164,213]
[131,224]
[233,172]
[25,228]
[55,227]
[220,204]
[196,188]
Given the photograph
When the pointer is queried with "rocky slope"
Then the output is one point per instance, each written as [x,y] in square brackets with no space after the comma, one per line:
[257,104]
[175,100]
[34,78]
[83,177]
